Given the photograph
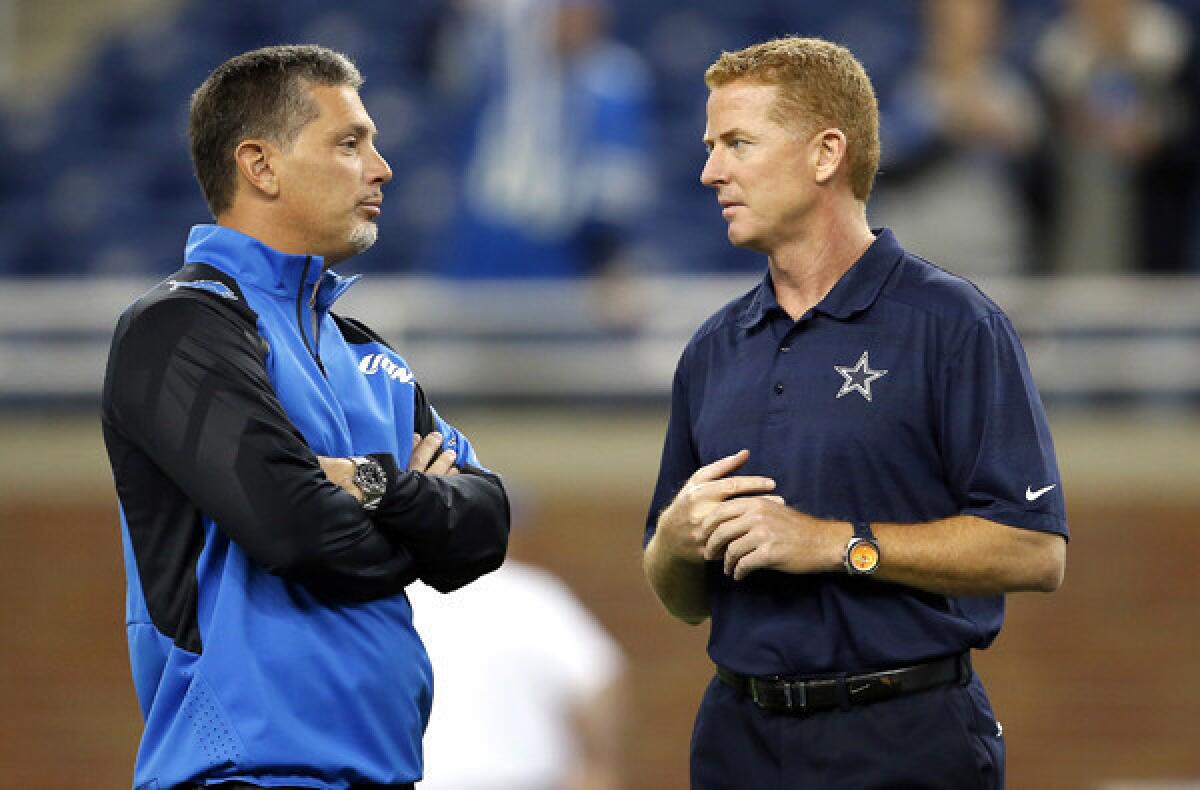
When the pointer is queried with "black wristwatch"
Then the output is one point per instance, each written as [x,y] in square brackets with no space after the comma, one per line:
[371,479]
[862,552]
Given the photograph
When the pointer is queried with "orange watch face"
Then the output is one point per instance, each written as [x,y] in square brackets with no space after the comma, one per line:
[864,556]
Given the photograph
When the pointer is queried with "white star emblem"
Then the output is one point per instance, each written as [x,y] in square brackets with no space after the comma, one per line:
[858,378]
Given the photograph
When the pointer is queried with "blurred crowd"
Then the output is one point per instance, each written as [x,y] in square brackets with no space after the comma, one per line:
[562,137]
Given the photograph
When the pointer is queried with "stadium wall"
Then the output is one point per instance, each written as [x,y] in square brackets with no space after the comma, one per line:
[1093,684]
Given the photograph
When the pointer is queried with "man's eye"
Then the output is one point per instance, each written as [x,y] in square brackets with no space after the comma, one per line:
[349,143]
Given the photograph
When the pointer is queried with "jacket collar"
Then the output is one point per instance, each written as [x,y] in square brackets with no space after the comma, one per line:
[857,289]
[254,264]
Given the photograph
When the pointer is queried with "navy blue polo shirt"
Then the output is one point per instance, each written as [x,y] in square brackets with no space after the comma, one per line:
[903,396]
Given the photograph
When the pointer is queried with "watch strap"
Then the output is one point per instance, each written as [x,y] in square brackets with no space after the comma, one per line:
[862,529]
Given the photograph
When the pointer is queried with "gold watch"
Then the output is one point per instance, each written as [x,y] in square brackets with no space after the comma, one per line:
[861,557]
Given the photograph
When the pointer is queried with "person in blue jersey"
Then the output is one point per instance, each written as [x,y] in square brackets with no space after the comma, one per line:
[556,164]
[282,477]
[857,465]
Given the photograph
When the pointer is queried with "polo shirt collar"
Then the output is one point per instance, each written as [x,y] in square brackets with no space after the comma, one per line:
[762,304]
[857,289]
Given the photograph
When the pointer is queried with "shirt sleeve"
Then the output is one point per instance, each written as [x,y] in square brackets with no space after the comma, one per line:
[998,455]
[679,457]
[188,387]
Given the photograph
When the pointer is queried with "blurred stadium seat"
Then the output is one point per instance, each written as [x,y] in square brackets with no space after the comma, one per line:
[98,183]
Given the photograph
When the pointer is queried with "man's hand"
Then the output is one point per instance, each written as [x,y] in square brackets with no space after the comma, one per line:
[762,532]
[429,458]
[674,557]
[425,458]
[341,471]
[685,526]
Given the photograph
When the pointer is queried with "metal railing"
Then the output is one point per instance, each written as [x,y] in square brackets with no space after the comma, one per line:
[1122,338]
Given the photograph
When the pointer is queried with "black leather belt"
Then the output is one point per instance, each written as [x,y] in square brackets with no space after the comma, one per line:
[797,696]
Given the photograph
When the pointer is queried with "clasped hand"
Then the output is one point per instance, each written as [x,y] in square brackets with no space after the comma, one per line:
[716,515]
[429,457]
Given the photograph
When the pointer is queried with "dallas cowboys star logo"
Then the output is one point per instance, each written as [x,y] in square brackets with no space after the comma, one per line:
[858,378]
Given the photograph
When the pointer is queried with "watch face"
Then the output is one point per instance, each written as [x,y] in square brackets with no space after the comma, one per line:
[863,556]
[372,476]
[371,479]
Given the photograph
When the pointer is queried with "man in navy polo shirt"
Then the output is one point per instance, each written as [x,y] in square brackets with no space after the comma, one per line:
[857,466]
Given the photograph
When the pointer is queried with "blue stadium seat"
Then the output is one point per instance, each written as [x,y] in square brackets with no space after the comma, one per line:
[120,131]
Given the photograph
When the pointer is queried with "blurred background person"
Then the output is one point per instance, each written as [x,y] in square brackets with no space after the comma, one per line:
[530,687]
[1123,84]
[958,132]
[557,173]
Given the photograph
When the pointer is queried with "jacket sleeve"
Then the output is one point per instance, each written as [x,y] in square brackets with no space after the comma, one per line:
[187,385]
[456,526]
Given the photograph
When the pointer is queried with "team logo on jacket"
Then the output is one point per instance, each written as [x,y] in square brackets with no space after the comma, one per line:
[859,377]
[374,363]
[212,286]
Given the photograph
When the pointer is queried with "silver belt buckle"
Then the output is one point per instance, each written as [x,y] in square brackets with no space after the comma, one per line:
[795,700]
[795,695]
[754,691]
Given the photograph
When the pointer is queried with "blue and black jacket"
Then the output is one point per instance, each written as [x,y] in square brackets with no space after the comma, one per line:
[269,633]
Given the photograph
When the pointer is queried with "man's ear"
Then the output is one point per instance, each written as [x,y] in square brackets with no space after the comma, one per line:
[255,166]
[828,153]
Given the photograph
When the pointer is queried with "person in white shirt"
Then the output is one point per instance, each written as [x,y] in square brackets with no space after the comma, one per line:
[529,686]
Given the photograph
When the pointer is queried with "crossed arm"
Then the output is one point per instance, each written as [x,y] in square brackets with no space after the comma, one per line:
[721,515]
[425,458]
[193,423]
[445,516]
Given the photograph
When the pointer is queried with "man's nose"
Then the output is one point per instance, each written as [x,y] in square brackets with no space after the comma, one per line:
[380,172]
[713,172]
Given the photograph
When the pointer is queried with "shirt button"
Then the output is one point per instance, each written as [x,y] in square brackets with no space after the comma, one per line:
[779,388]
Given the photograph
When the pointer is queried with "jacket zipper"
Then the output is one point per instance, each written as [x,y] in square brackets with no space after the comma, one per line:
[313,311]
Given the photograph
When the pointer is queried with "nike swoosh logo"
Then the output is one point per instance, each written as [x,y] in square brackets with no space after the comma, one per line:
[1031,495]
